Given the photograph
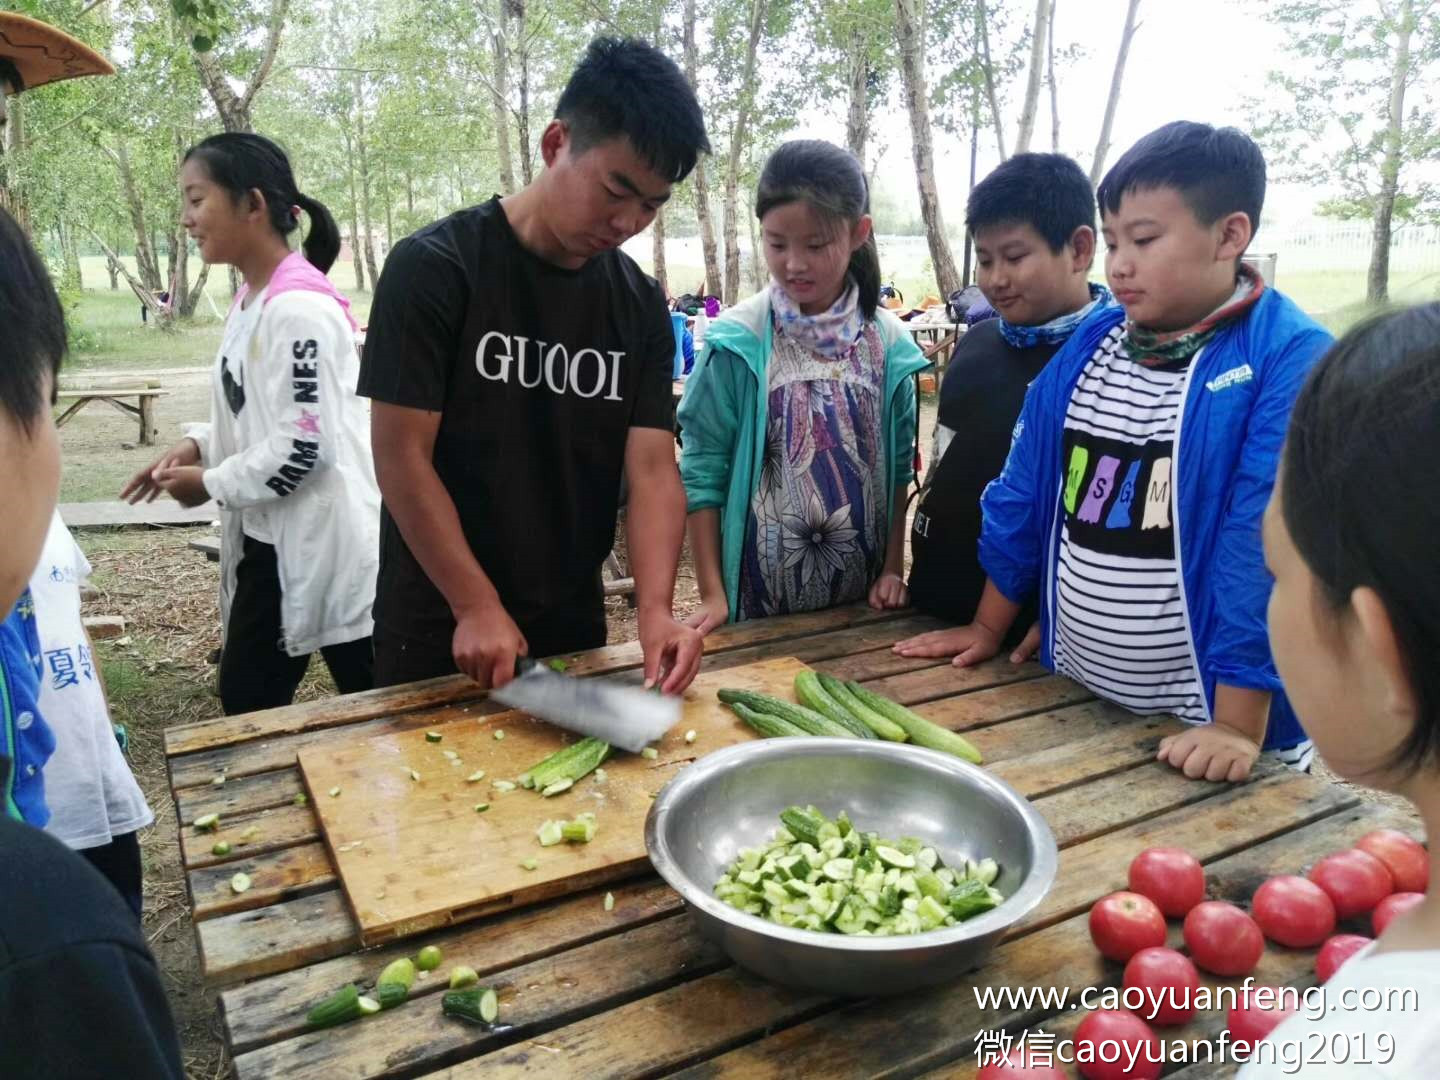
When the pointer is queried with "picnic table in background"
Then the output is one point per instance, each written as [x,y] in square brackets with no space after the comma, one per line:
[117,393]
[635,990]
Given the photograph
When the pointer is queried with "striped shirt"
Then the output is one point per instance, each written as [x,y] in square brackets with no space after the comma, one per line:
[1120,621]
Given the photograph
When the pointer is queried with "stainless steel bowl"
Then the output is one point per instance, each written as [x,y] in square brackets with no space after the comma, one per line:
[732,799]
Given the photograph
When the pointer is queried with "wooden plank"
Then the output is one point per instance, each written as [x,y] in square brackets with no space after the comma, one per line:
[1060,726]
[969,711]
[1082,813]
[908,1034]
[92,515]
[268,830]
[1083,761]
[414,854]
[244,794]
[947,680]
[272,1009]
[295,871]
[456,689]
[552,990]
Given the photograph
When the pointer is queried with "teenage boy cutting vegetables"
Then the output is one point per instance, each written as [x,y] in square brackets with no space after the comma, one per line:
[517,360]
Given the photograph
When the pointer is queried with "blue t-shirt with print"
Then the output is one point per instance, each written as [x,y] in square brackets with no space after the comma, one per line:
[25,738]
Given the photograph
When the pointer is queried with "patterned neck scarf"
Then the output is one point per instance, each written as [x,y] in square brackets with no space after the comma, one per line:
[1156,347]
[832,333]
[1058,330]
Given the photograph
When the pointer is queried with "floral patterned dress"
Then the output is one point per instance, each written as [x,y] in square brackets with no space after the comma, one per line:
[817,528]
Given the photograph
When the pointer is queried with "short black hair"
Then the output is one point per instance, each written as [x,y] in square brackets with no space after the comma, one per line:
[1217,171]
[625,86]
[1048,192]
[34,327]
[1361,511]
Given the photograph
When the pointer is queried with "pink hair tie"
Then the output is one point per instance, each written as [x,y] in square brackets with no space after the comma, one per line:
[295,212]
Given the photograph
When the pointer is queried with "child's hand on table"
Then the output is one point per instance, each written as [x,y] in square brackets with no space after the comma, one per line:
[967,644]
[1210,752]
[889,591]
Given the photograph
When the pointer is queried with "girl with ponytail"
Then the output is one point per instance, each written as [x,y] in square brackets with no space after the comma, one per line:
[798,424]
[285,455]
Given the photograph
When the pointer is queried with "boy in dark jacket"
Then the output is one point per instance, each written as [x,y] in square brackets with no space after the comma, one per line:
[1143,459]
[1033,223]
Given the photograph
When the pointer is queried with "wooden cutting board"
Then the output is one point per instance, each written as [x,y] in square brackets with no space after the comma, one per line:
[415,854]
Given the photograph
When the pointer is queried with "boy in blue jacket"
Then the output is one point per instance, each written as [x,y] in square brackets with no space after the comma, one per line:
[1143,460]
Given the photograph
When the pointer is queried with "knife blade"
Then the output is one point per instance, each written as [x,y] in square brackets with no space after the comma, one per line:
[620,715]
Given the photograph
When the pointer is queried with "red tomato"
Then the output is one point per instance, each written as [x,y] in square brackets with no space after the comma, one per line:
[1123,923]
[1335,952]
[1115,1035]
[1172,877]
[1407,861]
[1355,880]
[1222,939]
[1394,904]
[1018,1066]
[1293,911]
[1170,983]
[1257,1012]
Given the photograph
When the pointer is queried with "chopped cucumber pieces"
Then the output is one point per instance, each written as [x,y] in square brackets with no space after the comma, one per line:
[414,776]
[461,977]
[609,904]
[557,787]
[481,807]
[499,735]
[530,863]
[428,958]
[579,831]
[650,753]
[502,785]
[549,834]
[828,876]
[301,799]
[475,777]
[335,792]
[207,822]
[690,736]
[239,883]
[433,736]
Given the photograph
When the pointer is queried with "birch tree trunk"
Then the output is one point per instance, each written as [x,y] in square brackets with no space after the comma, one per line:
[700,179]
[737,146]
[499,98]
[1031,105]
[1377,283]
[910,35]
[1102,147]
[982,27]
[363,156]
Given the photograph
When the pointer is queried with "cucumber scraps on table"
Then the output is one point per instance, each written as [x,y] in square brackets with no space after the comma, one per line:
[828,876]
[843,710]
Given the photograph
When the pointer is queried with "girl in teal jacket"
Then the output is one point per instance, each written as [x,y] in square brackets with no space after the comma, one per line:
[798,423]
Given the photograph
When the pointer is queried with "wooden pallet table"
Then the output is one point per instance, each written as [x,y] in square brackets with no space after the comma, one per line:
[634,991]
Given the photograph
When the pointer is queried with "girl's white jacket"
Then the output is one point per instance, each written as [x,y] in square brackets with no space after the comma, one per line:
[297,454]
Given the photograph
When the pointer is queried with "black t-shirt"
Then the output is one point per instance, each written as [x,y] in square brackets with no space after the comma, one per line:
[80,996]
[980,400]
[539,373]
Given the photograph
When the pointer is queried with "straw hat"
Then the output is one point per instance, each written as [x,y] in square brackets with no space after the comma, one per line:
[42,54]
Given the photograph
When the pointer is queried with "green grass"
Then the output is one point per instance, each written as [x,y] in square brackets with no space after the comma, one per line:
[109,335]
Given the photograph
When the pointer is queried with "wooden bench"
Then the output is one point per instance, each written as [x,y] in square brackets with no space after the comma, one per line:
[116,395]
